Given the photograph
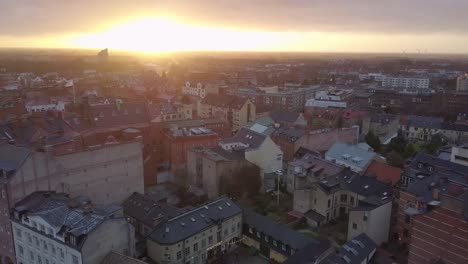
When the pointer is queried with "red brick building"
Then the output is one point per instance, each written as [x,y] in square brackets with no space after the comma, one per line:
[440,235]
[177,143]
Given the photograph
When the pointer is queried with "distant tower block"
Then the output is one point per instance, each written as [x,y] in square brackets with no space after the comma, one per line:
[103,55]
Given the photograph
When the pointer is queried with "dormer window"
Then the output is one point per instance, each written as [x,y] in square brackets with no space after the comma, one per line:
[72,240]
[420,165]
[430,168]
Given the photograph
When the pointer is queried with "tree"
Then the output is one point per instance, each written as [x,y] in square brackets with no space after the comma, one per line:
[398,143]
[409,151]
[437,141]
[373,141]
[395,159]
[244,182]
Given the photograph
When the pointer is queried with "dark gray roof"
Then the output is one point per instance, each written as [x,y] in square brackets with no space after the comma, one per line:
[76,216]
[11,157]
[354,251]
[248,137]
[112,115]
[116,258]
[146,209]
[309,254]
[454,127]
[290,133]
[427,164]
[276,231]
[194,221]
[425,121]
[283,116]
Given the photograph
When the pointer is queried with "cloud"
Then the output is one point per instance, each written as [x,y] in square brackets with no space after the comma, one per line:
[41,17]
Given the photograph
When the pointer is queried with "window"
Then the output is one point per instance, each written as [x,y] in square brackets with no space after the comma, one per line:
[225,232]
[203,243]
[31,255]
[45,245]
[405,233]
[366,216]
[275,243]
[266,238]
[250,230]
[329,203]
[283,247]
[39,260]
[351,201]
[187,251]
[195,247]
[258,234]
[179,255]
[62,254]
[407,219]
[74,259]
[344,198]
[210,240]
[53,249]
[21,250]
[18,232]
[41,228]
[354,226]
[233,229]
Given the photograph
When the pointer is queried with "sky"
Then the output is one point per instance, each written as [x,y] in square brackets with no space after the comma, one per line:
[398,26]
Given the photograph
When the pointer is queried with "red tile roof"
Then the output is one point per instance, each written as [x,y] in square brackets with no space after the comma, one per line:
[384,172]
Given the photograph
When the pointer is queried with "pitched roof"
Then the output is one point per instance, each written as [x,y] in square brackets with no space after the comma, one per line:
[224,101]
[284,116]
[276,231]
[290,133]
[194,221]
[145,209]
[247,137]
[425,121]
[11,157]
[355,251]
[76,215]
[384,172]
[351,154]
[112,115]
[116,258]
[322,140]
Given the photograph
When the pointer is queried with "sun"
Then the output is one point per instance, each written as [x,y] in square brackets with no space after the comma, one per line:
[165,35]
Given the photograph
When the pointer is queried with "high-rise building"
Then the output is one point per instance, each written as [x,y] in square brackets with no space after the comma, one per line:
[462,83]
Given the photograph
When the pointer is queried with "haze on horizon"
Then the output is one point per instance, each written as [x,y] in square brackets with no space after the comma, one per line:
[260,25]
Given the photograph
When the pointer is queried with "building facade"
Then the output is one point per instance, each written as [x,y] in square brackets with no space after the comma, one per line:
[53,228]
[405,82]
[199,235]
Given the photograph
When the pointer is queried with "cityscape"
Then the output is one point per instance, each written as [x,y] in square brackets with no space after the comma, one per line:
[295,132]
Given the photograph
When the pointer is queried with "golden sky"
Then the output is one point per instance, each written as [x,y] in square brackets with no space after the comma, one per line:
[255,25]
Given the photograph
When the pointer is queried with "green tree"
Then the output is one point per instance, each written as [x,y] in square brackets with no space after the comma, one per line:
[373,141]
[395,159]
[398,143]
[409,151]
[437,141]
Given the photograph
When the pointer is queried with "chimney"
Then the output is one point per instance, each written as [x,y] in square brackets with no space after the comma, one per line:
[435,194]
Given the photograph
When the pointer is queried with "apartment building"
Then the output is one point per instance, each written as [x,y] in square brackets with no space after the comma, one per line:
[201,89]
[51,227]
[462,83]
[423,128]
[405,82]
[432,210]
[106,174]
[276,241]
[214,170]
[367,201]
[236,110]
[459,155]
[199,235]
[385,126]
[259,149]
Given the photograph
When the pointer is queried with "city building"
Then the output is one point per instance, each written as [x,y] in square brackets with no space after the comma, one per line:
[384,126]
[180,140]
[106,174]
[384,172]
[201,89]
[114,257]
[432,210]
[45,104]
[289,139]
[356,157]
[288,119]
[462,83]
[258,149]
[323,139]
[145,213]
[236,110]
[51,227]
[459,154]
[367,202]
[423,128]
[324,99]
[199,235]
[308,169]
[215,169]
[276,241]
[405,82]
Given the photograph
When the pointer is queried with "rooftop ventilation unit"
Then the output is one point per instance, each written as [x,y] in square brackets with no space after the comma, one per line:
[220,208]
[192,219]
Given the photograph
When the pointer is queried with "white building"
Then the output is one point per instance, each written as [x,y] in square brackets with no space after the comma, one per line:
[45,104]
[325,100]
[462,83]
[200,89]
[405,82]
[51,228]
